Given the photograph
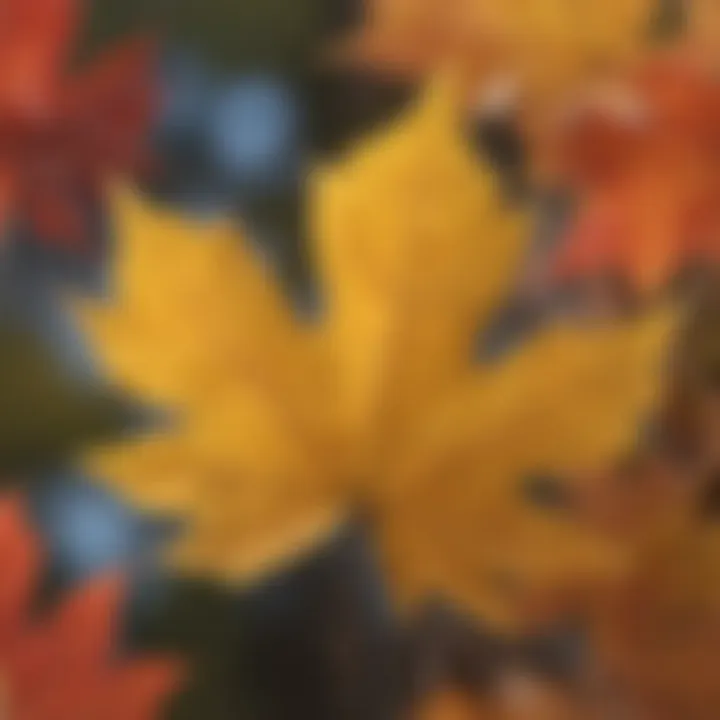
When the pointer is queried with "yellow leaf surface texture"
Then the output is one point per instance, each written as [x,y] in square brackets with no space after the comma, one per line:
[280,428]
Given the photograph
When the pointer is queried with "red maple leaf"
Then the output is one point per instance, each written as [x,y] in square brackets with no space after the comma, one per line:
[65,666]
[648,177]
[62,135]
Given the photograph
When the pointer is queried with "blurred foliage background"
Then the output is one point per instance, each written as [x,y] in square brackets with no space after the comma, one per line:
[248,105]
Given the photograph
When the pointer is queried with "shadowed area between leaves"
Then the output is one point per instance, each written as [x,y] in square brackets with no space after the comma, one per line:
[46,414]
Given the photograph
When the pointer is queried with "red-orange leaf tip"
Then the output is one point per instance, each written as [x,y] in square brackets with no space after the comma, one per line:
[65,665]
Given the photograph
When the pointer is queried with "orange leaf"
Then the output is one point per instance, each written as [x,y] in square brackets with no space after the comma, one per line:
[649,184]
[65,667]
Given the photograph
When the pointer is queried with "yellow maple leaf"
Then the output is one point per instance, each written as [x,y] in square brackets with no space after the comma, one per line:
[284,428]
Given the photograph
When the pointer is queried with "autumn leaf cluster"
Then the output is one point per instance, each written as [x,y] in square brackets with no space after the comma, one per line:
[383,406]
[621,117]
